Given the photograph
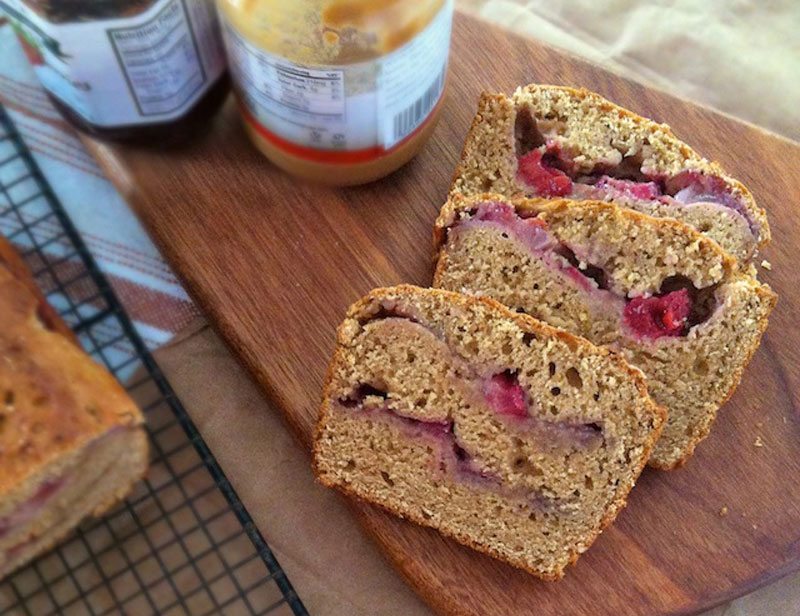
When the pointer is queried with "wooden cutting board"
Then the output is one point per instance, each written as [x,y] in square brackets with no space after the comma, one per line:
[274,263]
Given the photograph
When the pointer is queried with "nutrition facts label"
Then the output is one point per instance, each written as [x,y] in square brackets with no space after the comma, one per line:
[306,90]
[127,68]
[160,60]
[305,104]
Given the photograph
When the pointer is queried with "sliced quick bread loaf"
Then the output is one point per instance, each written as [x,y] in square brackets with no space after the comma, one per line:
[510,436]
[672,302]
[556,142]
[71,440]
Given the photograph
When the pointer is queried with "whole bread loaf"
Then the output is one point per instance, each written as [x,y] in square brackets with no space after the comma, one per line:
[512,437]
[558,142]
[665,297]
[71,440]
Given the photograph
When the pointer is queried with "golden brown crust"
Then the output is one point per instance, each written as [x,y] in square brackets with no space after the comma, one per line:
[54,399]
[527,324]
[12,261]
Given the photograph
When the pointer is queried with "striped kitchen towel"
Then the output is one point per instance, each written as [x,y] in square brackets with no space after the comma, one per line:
[145,284]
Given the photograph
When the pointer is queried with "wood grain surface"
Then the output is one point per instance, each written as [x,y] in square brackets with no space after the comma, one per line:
[275,263]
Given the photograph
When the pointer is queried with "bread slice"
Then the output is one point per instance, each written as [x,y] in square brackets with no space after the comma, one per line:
[71,440]
[668,299]
[556,142]
[510,436]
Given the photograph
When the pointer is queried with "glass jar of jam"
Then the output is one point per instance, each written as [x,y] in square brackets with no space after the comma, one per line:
[132,70]
[338,91]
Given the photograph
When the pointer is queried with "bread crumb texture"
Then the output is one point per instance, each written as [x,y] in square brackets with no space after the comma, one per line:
[512,437]
[690,375]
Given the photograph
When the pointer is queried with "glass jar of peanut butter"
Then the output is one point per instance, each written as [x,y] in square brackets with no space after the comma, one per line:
[341,92]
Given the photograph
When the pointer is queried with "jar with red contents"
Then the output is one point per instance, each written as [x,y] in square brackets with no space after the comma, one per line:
[132,70]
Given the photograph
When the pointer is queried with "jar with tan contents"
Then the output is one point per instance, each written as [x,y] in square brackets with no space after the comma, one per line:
[338,91]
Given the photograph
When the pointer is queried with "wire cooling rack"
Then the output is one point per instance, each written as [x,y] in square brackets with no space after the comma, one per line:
[182,543]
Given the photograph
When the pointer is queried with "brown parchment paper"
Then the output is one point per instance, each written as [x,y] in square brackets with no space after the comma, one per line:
[335,568]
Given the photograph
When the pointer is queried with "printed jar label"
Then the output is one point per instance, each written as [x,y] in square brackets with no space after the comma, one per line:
[149,66]
[368,105]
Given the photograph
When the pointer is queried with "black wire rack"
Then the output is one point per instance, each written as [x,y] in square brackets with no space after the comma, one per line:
[183,542]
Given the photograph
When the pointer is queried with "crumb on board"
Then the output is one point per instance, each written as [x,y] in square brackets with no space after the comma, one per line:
[758,442]
[759,424]
[755,526]
[766,265]
[723,512]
